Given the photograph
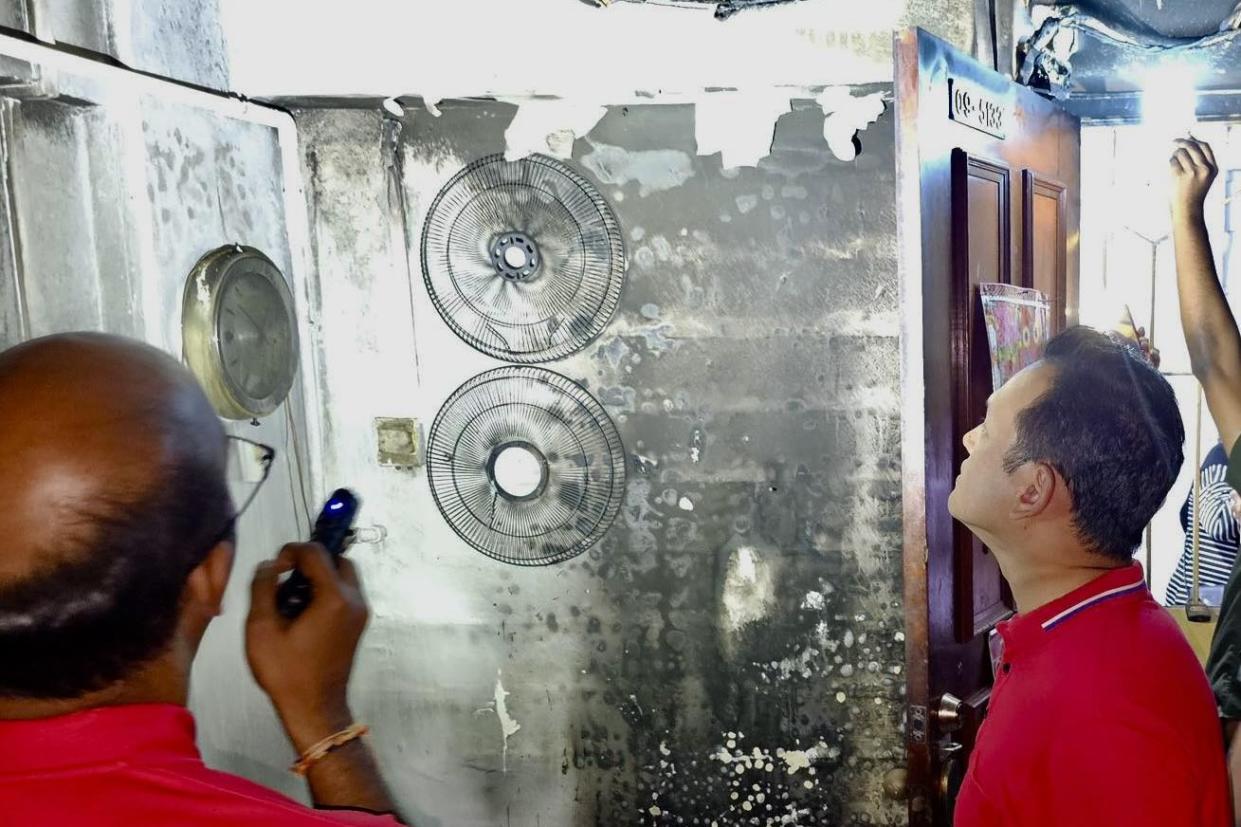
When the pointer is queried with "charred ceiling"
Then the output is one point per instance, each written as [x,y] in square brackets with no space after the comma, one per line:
[1103,54]
[1162,21]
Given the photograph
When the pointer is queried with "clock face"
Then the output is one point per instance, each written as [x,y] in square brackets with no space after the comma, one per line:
[255,339]
[239,331]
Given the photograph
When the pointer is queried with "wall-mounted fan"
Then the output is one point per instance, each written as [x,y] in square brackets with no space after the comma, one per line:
[524,260]
[526,466]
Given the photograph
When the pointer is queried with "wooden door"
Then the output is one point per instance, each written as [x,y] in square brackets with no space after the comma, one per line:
[988,192]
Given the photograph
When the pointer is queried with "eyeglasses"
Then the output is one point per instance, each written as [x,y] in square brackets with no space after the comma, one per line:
[267,456]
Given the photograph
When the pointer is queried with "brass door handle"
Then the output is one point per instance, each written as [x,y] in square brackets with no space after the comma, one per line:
[951,773]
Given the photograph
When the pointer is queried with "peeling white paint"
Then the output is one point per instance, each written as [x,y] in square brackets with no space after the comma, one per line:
[508,726]
[739,125]
[654,170]
[846,116]
[549,127]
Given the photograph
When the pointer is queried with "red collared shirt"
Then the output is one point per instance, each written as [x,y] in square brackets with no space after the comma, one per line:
[134,766]
[1100,715]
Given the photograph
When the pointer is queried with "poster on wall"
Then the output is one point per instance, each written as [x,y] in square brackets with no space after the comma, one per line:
[1018,321]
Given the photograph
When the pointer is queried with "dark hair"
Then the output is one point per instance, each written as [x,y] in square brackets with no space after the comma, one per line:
[109,603]
[1110,426]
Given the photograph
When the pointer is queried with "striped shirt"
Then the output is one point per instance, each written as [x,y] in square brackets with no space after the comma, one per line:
[1218,532]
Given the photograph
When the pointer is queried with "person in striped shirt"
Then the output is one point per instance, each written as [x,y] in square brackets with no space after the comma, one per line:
[1218,535]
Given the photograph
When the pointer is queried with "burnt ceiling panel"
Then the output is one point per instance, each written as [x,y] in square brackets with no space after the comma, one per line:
[1190,19]
[1106,53]
[1103,65]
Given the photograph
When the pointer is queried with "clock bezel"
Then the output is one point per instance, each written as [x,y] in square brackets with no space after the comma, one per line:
[202,305]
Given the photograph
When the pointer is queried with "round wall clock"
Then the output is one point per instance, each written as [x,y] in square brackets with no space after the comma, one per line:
[239,331]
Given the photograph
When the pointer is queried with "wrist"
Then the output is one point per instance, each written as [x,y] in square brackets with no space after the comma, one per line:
[308,727]
[1189,213]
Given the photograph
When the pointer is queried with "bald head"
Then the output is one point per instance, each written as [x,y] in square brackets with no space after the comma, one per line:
[90,416]
[115,467]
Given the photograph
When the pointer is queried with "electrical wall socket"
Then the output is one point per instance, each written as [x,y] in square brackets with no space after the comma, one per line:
[399,442]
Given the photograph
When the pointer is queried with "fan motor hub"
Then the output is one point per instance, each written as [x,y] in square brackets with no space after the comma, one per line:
[518,470]
[515,256]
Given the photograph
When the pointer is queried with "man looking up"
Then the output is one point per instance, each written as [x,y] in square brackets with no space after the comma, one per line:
[1100,713]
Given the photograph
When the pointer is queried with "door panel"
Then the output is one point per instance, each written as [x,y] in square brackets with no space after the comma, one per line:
[1045,252]
[966,137]
[982,252]
[981,200]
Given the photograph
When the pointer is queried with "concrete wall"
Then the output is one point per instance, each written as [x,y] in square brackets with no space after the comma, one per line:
[1125,243]
[747,601]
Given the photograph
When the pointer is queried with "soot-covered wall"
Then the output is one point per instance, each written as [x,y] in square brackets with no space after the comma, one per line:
[731,652]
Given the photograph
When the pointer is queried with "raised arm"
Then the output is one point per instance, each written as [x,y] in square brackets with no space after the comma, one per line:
[1210,330]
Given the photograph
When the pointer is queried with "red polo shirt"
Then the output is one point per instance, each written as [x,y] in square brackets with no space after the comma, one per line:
[1100,715]
[127,766]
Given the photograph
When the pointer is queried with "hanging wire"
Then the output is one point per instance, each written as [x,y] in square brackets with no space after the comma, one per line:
[297,477]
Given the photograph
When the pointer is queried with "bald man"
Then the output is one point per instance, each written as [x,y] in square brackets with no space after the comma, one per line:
[117,547]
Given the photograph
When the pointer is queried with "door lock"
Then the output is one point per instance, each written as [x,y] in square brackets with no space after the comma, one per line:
[947,712]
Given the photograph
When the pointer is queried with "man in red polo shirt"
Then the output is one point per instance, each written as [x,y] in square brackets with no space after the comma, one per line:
[1100,713]
[117,546]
